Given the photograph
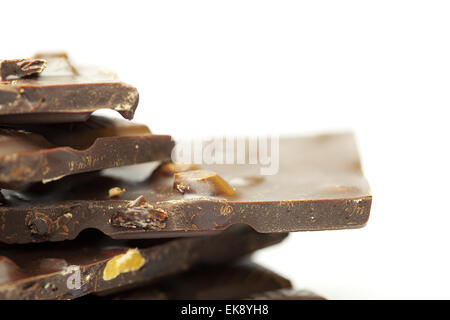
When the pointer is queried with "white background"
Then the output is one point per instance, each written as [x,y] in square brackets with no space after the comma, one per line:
[378,68]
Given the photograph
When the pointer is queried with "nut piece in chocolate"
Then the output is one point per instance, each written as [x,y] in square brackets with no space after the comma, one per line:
[202,182]
[140,214]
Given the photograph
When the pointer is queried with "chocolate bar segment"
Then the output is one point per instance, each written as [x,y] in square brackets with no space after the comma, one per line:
[32,153]
[67,270]
[237,280]
[63,93]
[20,68]
[319,186]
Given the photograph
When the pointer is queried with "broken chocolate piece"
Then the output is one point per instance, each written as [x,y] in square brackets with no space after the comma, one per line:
[34,153]
[140,214]
[238,280]
[319,186]
[63,93]
[21,67]
[96,264]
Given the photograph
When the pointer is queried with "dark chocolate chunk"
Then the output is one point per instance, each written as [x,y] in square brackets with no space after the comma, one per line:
[238,280]
[21,67]
[63,93]
[32,153]
[319,186]
[95,264]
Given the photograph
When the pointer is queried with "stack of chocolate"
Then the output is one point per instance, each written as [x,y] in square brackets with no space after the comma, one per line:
[93,206]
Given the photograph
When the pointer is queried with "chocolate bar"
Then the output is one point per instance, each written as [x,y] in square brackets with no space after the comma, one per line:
[319,186]
[61,92]
[66,270]
[33,153]
[237,280]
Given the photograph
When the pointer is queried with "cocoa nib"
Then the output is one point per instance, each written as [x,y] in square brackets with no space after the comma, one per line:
[140,214]
[21,67]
